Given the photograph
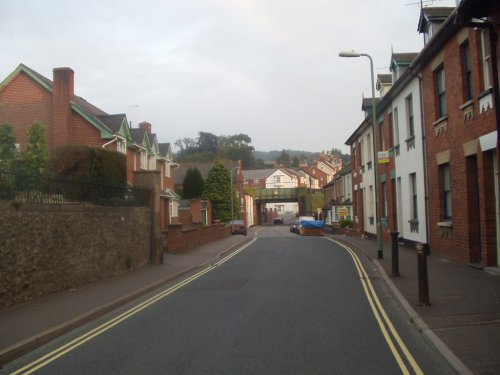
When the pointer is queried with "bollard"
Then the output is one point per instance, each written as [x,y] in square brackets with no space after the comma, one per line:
[423,281]
[395,253]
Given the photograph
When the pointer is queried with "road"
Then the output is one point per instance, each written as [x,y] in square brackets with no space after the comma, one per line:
[283,304]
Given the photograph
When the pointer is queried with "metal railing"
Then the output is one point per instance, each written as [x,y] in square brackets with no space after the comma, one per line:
[33,189]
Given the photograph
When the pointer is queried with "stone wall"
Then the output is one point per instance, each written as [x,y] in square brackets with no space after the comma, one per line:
[46,249]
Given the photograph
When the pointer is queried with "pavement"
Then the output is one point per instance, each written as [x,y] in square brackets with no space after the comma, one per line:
[462,320]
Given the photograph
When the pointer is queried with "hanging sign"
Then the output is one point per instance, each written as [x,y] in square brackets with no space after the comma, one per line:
[383,157]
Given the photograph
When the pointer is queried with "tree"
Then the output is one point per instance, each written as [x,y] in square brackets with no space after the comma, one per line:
[237,147]
[37,150]
[8,150]
[207,143]
[219,190]
[283,159]
[193,184]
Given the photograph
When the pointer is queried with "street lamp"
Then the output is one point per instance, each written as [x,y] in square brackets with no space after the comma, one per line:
[375,150]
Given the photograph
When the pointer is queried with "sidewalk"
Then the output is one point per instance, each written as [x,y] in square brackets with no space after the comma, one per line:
[24,327]
[464,314]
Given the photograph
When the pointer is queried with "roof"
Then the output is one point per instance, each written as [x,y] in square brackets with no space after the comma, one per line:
[113,122]
[258,174]
[165,150]
[433,14]
[403,58]
[385,79]
[367,103]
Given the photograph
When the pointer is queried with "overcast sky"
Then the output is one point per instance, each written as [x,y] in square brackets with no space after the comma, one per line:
[266,68]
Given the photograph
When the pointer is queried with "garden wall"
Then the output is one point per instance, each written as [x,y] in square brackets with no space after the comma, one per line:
[46,249]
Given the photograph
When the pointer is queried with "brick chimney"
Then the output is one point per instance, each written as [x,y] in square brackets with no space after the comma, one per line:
[146,126]
[62,95]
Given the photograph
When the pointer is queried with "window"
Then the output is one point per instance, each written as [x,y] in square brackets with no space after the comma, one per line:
[467,72]
[368,148]
[391,131]
[413,196]
[486,55]
[121,146]
[381,135]
[442,110]
[167,169]
[144,160]
[409,116]
[446,188]
[277,179]
[396,126]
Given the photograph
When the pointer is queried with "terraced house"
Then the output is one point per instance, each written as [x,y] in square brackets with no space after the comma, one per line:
[439,125]
[27,97]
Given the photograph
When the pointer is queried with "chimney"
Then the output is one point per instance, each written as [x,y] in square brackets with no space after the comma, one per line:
[146,126]
[62,95]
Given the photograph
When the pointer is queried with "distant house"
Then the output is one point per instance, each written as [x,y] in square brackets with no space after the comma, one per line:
[338,197]
[27,97]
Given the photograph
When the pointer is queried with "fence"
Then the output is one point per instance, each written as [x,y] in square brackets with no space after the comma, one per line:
[23,188]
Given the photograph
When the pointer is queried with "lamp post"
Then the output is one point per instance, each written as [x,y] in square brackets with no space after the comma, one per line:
[375,150]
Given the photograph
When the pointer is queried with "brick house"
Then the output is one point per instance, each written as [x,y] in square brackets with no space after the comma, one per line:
[439,121]
[27,97]
[461,115]
[338,197]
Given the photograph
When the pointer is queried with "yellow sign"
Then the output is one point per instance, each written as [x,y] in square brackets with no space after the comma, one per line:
[383,157]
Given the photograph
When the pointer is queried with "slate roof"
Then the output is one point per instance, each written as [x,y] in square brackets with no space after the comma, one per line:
[258,174]
[113,122]
[165,149]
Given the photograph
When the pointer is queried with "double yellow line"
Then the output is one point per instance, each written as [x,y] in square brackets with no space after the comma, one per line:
[390,334]
[59,352]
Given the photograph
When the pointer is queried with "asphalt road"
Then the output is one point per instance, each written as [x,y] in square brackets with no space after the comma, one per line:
[285,304]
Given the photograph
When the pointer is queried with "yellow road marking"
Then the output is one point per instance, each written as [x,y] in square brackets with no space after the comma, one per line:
[381,317]
[52,356]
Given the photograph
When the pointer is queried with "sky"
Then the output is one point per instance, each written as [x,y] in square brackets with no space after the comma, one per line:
[266,68]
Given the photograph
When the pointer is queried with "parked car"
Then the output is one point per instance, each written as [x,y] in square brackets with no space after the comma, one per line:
[301,219]
[238,227]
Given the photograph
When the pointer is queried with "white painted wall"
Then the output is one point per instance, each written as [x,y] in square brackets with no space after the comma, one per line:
[277,180]
[410,160]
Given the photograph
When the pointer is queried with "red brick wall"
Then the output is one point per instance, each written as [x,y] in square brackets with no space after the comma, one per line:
[23,102]
[180,240]
[456,246]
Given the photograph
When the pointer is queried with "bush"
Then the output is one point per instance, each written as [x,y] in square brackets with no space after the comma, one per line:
[90,164]
[346,223]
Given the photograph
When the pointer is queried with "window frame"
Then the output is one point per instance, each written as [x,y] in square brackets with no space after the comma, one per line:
[440,81]
[467,71]
[446,189]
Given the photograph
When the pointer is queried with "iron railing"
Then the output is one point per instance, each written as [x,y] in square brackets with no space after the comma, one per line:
[33,189]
